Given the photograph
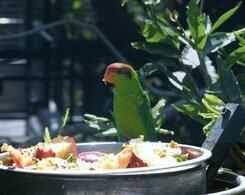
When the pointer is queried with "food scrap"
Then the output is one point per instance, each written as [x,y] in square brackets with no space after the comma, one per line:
[61,153]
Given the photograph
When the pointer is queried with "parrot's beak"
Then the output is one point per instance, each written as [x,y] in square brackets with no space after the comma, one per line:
[104,81]
[108,77]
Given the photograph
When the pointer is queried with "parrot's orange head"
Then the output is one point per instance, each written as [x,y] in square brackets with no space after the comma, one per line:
[115,70]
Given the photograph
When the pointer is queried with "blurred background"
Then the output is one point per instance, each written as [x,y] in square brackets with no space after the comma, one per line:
[53,54]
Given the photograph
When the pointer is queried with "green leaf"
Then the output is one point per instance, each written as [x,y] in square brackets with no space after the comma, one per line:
[164,131]
[174,15]
[181,158]
[224,17]
[92,117]
[167,28]
[159,31]
[101,124]
[151,2]
[213,104]
[213,100]
[150,32]
[208,115]
[76,5]
[238,54]
[157,111]
[241,80]
[112,132]
[47,137]
[64,121]
[161,49]
[208,24]
[124,2]
[190,110]
[241,61]
[240,38]
[196,23]
[71,157]
[228,83]
[148,69]
[217,41]
[96,118]
[208,127]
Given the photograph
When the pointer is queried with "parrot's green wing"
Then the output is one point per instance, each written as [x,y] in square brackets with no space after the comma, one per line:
[147,119]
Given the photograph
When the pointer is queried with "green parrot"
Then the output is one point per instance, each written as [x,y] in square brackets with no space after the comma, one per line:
[131,106]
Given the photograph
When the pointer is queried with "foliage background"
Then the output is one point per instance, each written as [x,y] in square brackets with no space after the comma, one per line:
[81,51]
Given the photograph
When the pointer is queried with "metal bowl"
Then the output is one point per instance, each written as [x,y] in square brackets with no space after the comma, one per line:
[182,178]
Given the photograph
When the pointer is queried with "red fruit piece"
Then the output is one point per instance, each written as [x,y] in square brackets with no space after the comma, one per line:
[136,162]
[44,153]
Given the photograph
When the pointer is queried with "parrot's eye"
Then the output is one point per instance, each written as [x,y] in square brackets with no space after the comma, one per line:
[124,71]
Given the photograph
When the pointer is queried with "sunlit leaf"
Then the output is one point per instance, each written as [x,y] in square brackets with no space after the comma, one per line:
[157,111]
[47,137]
[208,115]
[213,100]
[211,70]
[151,2]
[179,75]
[112,132]
[99,123]
[196,23]
[164,131]
[151,33]
[124,2]
[213,103]
[189,57]
[174,15]
[218,40]
[208,24]
[225,17]
[183,40]
[208,127]
[159,31]
[64,121]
